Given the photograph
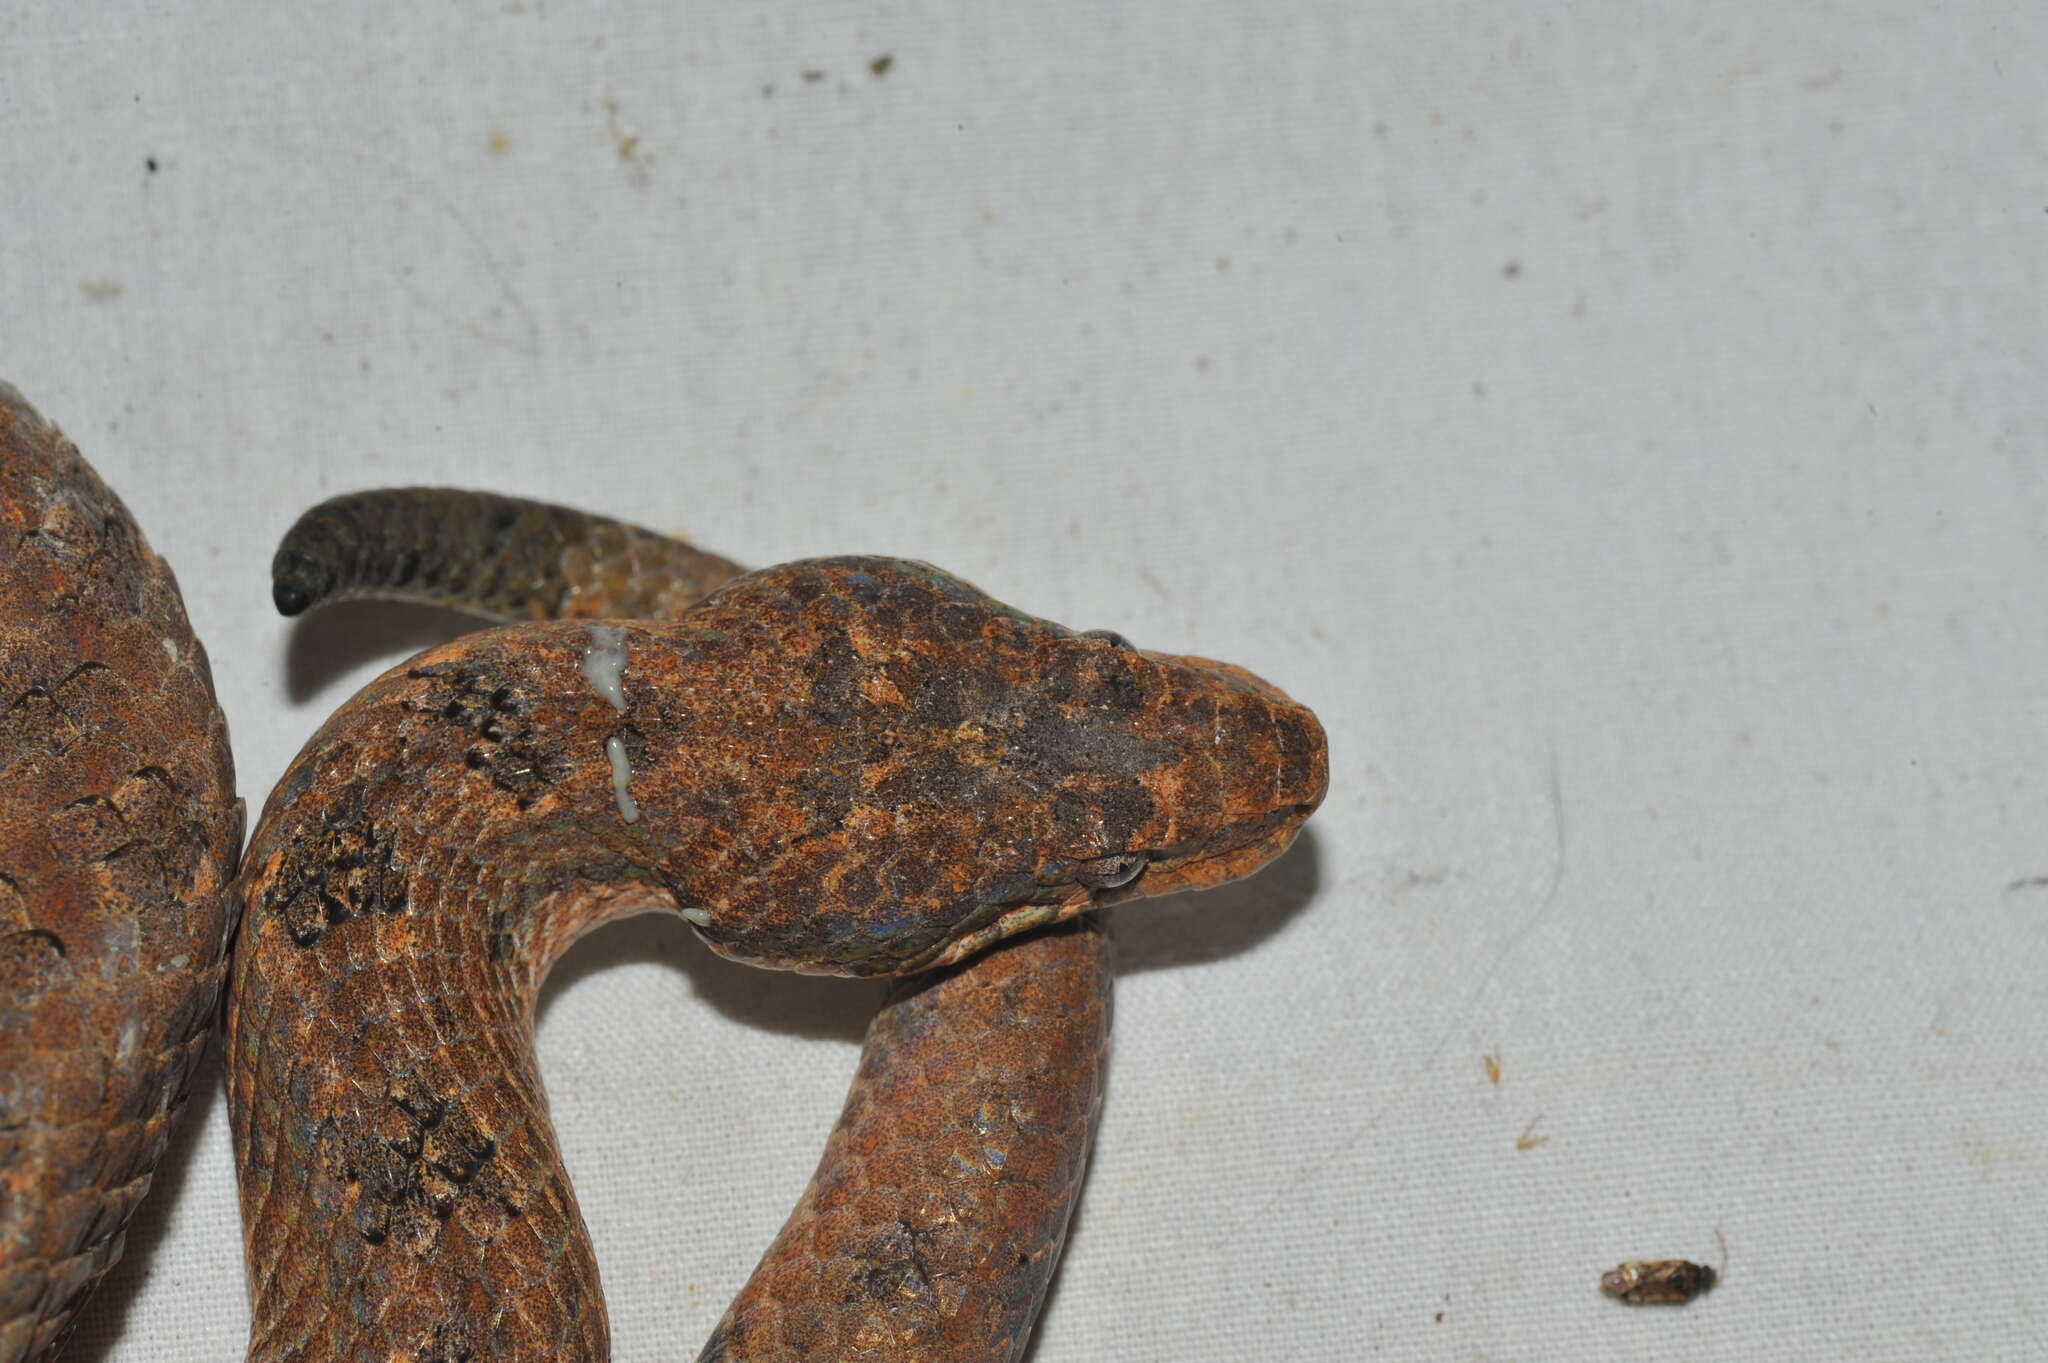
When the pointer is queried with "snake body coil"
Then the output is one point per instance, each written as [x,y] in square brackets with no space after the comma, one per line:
[118,834]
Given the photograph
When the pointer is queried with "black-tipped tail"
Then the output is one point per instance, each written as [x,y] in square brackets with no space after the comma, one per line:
[501,557]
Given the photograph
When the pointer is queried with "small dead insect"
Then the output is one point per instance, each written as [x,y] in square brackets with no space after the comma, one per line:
[1529,1140]
[1657,1282]
[1493,1064]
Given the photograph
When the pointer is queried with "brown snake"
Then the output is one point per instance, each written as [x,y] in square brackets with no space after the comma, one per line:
[118,835]
[854,766]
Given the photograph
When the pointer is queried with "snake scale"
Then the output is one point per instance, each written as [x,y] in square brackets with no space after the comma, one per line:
[118,833]
[855,766]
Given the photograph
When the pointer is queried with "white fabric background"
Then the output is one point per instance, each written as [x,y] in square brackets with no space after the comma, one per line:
[1623,423]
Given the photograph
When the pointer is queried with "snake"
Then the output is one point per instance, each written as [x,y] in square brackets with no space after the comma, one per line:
[857,766]
[854,766]
[118,834]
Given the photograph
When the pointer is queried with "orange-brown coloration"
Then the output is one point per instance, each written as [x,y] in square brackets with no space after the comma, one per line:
[856,766]
[940,1205]
[1529,1140]
[1492,1060]
[1656,1282]
[117,838]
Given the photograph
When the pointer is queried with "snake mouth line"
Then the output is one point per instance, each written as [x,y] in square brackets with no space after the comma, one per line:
[1236,858]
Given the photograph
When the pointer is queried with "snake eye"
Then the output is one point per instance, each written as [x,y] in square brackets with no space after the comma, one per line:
[1108,636]
[1107,873]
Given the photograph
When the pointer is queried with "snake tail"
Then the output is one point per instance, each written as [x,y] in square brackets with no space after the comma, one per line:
[502,557]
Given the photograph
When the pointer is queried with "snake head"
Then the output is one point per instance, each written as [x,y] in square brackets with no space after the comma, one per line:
[1151,773]
[972,771]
